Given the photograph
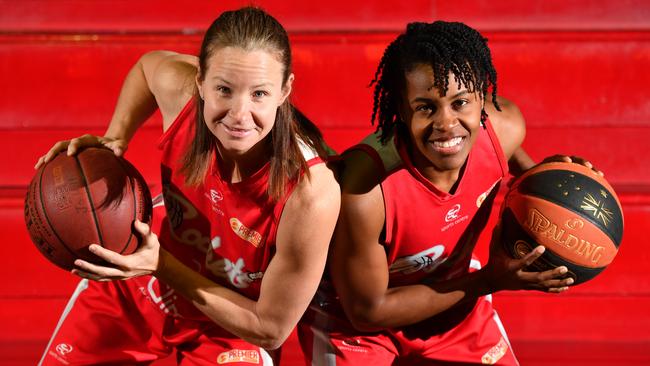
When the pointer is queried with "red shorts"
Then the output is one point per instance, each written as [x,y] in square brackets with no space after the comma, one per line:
[134,322]
[478,339]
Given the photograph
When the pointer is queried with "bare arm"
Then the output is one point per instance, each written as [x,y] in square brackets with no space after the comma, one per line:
[359,267]
[510,127]
[288,285]
[160,79]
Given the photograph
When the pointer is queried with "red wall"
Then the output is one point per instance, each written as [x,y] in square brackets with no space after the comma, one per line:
[577,70]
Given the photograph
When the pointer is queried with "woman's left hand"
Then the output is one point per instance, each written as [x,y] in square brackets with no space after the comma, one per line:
[572,159]
[144,261]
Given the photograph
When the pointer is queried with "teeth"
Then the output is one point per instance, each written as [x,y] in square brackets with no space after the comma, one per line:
[449,143]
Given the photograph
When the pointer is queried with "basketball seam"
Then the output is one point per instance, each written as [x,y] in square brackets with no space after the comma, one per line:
[47,219]
[134,200]
[90,200]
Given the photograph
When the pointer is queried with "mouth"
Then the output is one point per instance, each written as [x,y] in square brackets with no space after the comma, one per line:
[448,146]
[237,132]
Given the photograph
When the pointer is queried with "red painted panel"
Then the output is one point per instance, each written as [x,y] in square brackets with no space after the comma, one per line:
[567,79]
[306,16]
[620,152]
[18,171]
[562,318]
[29,319]
[582,353]
[575,79]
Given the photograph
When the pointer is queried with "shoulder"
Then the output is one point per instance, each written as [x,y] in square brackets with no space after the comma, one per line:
[359,172]
[171,78]
[362,201]
[509,124]
[319,191]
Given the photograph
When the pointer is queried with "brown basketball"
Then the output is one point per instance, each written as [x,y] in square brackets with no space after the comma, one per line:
[91,197]
[570,210]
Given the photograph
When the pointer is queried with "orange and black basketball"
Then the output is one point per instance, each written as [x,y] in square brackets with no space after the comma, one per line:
[91,197]
[570,210]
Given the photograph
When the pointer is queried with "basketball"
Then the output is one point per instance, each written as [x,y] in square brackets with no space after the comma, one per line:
[570,210]
[89,198]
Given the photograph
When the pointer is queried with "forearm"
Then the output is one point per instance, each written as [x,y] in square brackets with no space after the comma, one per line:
[520,162]
[229,309]
[135,104]
[406,305]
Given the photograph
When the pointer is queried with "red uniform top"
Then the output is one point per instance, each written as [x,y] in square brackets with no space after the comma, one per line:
[429,235]
[225,231]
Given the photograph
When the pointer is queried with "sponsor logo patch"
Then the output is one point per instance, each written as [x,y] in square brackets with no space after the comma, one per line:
[239,355]
[495,353]
[245,233]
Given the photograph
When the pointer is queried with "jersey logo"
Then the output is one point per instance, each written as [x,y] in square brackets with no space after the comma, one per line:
[245,233]
[452,214]
[427,261]
[63,348]
[215,197]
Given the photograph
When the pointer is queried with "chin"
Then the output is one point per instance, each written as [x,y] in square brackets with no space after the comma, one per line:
[449,163]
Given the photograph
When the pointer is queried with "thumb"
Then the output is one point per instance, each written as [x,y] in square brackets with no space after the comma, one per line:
[142,228]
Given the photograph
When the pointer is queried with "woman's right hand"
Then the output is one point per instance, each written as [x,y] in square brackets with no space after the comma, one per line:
[118,146]
[506,273]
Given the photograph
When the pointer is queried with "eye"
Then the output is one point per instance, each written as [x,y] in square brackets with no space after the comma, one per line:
[425,108]
[259,93]
[459,103]
[224,90]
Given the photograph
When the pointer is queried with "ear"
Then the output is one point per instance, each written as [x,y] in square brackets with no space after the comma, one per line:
[199,82]
[286,89]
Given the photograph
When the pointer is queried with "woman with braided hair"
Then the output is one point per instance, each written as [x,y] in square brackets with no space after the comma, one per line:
[403,286]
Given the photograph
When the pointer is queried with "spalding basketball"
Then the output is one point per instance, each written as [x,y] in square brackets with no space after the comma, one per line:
[570,210]
[91,197]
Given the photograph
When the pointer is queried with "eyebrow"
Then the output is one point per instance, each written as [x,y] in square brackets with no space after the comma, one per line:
[268,83]
[425,100]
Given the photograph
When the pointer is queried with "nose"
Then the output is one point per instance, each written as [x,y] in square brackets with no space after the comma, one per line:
[239,109]
[444,119]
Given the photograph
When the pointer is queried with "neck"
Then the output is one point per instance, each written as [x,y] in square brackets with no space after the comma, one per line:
[235,167]
[444,180]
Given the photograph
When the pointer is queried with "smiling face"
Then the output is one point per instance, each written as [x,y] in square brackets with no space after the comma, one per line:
[242,91]
[442,128]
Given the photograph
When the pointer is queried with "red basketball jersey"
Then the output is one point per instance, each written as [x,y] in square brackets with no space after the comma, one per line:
[430,234]
[225,231]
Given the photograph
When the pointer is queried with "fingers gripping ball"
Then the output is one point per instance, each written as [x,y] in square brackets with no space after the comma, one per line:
[91,197]
[570,210]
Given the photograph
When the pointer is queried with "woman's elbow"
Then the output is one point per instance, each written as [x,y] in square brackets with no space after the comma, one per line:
[365,319]
[270,341]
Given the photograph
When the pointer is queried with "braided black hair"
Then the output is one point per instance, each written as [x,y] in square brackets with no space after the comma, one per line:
[446,46]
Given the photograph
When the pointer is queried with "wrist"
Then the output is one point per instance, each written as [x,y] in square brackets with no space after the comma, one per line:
[162,265]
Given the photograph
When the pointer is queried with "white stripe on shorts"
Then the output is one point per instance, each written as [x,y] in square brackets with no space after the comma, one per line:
[83,285]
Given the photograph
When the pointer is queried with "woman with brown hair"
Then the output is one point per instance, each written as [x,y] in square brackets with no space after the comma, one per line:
[249,210]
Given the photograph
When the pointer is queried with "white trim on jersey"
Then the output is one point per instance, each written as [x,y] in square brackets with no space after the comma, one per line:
[267,360]
[322,353]
[497,320]
[307,151]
